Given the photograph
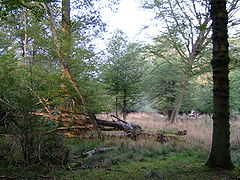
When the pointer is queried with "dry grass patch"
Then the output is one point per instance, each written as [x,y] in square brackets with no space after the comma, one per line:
[199,131]
[198,137]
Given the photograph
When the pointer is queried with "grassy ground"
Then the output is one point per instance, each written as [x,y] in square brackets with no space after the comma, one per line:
[147,159]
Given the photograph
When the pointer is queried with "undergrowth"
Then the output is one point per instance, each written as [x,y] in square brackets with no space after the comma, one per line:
[148,159]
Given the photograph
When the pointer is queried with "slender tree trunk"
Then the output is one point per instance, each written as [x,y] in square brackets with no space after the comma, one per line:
[124,104]
[169,114]
[66,36]
[170,99]
[116,106]
[178,101]
[220,153]
[201,43]
[183,87]
[26,55]
[25,41]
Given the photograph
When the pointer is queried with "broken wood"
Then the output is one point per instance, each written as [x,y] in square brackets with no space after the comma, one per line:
[159,137]
[119,119]
[131,131]
[94,151]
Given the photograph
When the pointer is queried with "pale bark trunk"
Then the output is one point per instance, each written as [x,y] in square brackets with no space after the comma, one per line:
[66,37]
[201,43]
[178,102]
[197,47]
[25,41]
[26,56]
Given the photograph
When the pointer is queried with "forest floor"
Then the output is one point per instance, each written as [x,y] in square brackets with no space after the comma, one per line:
[180,159]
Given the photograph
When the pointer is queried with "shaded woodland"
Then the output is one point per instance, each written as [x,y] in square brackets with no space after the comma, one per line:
[68,105]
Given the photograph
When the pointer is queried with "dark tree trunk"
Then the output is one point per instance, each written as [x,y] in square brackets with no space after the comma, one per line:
[220,153]
[169,113]
[124,110]
[116,106]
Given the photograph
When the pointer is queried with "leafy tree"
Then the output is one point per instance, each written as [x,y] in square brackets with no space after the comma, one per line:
[203,96]
[31,74]
[123,71]
[186,32]
[234,48]
[234,98]
[161,86]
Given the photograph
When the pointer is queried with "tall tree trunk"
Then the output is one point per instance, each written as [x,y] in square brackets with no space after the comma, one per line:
[116,106]
[26,56]
[220,153]
[178,101]
[25,40]
[66,36]
[64,56]
[201,43]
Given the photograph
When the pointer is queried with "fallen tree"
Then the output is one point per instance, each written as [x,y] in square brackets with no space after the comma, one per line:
[81,122]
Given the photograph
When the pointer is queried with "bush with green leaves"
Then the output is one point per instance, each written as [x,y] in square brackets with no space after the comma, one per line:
[24,141]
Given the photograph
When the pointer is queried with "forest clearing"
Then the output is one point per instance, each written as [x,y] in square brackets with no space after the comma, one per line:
[79,100]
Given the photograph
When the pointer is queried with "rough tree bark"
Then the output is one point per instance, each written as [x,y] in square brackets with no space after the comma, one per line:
[220,153]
